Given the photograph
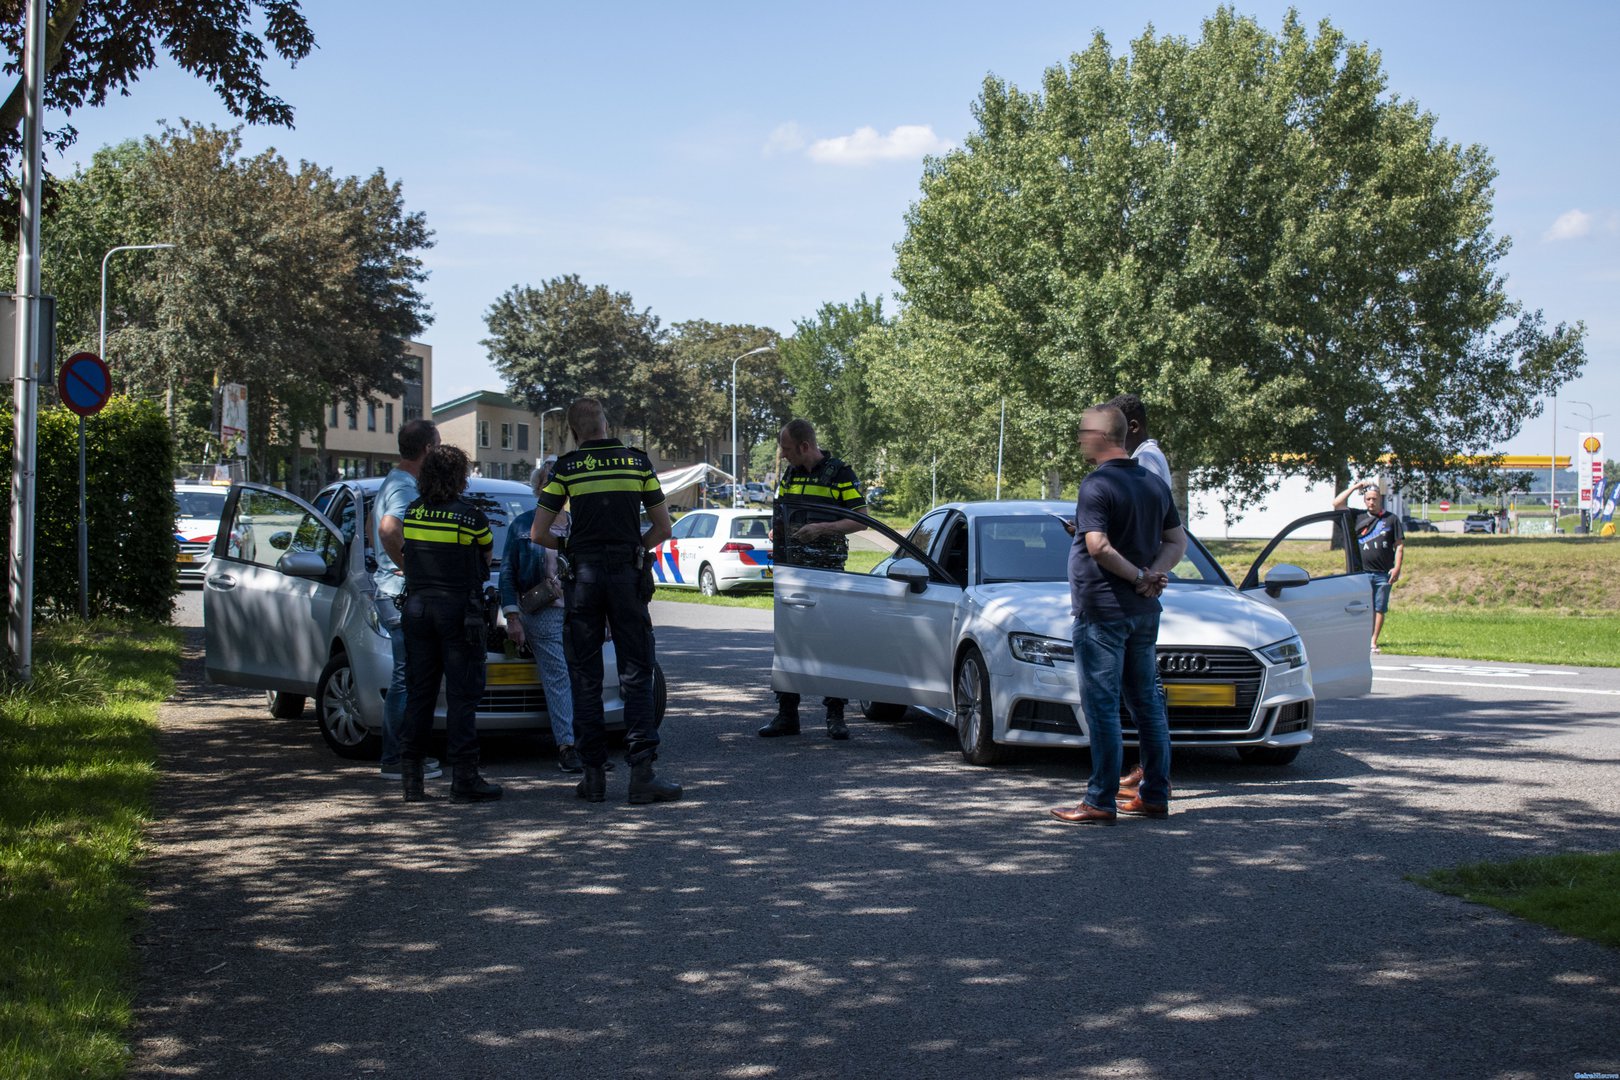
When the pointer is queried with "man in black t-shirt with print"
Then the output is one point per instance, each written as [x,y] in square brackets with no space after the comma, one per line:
[1383,546]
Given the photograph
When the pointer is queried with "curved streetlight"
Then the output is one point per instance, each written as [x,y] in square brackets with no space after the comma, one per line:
[736,482]
[548,412]
[101,346]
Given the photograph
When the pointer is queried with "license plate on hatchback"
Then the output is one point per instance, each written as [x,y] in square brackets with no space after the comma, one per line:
[1207,695]
[510,675]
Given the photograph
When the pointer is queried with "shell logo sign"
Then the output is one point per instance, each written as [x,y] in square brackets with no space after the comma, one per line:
[1592,444]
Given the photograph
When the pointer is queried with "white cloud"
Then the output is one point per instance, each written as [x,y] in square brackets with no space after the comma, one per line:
[786,139]
[908,142]
[1571,225]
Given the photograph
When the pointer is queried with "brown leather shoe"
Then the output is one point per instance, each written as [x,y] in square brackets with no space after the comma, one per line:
[1135,805]
[1132,779]
[1085,814]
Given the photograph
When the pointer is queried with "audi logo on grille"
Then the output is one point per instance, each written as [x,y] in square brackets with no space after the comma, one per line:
[1183,664]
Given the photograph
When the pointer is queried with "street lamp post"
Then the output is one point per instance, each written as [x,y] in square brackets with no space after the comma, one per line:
[548,412]
[736,473]
[101,351]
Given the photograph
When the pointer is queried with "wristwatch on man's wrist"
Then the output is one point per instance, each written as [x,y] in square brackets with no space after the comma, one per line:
[1140,574]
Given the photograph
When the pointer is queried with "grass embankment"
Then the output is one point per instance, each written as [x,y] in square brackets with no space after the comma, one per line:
[77,763]
[1536,600]
[1574,894]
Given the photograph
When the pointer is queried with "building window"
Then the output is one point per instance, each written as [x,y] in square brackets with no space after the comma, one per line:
[483,433]
[332,419]
[381,467]
[388,418]
[506,436]
[523,437]
[413,370]
[413,412]
[371,416]
[354,417]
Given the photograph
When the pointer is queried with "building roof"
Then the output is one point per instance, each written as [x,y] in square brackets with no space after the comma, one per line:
[481,397]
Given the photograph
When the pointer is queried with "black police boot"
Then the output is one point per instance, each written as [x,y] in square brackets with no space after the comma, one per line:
[647,788]
[411,780]
[468,786]
[784,723]
[836,728]
[593,788]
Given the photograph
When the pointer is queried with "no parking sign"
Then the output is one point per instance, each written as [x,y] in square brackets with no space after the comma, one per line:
[84,383]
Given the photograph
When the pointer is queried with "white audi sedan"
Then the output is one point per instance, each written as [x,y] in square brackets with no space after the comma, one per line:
[968,620]
[289,608]
[716,551]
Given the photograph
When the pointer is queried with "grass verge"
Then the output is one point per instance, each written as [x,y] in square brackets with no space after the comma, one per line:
[77,761]
[1525,637]
[1574,894]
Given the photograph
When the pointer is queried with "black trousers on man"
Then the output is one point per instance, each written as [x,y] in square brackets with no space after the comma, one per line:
[603,594]
[439,645]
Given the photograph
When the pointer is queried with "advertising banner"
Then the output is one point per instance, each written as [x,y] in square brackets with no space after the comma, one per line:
[233,418]
[1589,465]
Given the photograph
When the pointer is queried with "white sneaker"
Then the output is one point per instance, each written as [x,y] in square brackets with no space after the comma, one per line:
[430,770]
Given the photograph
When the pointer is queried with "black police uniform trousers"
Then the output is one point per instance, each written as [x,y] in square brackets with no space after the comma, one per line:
[439,645]
[607,591]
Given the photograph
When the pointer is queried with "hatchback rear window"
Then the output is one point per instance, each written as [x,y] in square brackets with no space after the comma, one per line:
[750,528]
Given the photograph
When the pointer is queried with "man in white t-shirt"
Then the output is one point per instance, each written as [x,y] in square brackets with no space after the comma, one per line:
[1143,450]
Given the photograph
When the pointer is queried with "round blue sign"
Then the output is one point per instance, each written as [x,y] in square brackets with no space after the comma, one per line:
[84,383]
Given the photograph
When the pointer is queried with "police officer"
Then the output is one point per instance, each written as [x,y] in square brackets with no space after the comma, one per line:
[447,552]
[605,484]
[813,479]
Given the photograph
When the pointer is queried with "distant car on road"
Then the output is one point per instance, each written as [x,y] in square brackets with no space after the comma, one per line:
[1479,523]
[1417,524]
[716,551]
[195,525]
[756,492]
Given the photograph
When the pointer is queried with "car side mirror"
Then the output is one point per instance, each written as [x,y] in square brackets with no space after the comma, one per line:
[1285,576]
[304,564]
[281,540]
[910,571]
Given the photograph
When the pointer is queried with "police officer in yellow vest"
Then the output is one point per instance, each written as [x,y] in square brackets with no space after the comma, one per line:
[605,485]
[813,479]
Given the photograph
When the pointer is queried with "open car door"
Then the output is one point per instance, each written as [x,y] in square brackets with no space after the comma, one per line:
[268,591]
[846,633]
[1312,573]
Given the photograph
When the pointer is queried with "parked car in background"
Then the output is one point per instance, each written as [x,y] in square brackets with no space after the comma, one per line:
[968,621]
[1479,523]
[196,523]
[288,608]
[1417,524]
[716,551]
[756,492]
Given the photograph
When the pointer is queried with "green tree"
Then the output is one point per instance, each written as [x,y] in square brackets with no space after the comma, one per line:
[94,48]
[702,352]
[567,340]
[1281,257]
[829,372]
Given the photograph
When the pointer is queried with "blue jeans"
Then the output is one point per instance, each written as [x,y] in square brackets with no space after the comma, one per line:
[543,630]
[1116,660]
[394,704]
[1380,592]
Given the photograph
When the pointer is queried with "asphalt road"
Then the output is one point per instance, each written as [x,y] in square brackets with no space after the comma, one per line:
[878,908]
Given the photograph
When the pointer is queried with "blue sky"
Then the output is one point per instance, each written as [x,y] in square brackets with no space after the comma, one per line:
[748,162]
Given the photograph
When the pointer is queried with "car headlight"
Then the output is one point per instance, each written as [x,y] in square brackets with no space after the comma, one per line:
[1290,652]
[375,622]
[1033,649]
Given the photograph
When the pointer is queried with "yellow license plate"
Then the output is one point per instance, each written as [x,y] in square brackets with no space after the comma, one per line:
[765,573]
[1208,695]
[510,675]
[182,557]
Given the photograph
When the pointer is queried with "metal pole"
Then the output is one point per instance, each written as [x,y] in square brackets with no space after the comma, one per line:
[736,473]
[25,384]
[548,412]
[1552,470]
[1001,442]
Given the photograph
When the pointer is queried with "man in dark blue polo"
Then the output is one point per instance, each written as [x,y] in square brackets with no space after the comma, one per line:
[1127,538]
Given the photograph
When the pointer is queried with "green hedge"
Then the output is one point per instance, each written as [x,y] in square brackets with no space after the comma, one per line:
[129,503]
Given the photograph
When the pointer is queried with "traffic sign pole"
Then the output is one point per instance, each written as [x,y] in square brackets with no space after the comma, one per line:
[84,384]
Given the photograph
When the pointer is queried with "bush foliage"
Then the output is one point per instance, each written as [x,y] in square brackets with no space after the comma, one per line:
[129,507]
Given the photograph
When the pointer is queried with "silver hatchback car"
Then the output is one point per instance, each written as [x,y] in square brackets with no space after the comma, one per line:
[289,608]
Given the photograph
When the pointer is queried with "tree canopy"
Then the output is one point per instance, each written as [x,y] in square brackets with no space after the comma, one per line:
[98,47]
[1281,257]
[829,371]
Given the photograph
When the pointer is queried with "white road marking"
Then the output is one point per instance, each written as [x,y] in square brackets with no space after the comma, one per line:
[1473,669]
[1500,686]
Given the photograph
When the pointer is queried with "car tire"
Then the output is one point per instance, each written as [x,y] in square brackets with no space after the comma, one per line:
[284,706]
[975,719]
[337,711]
[707,585]
[1268,755]
[883,712]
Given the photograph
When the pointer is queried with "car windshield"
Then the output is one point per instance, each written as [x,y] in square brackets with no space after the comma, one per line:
[209,505]
[751,528]
[1035,547]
